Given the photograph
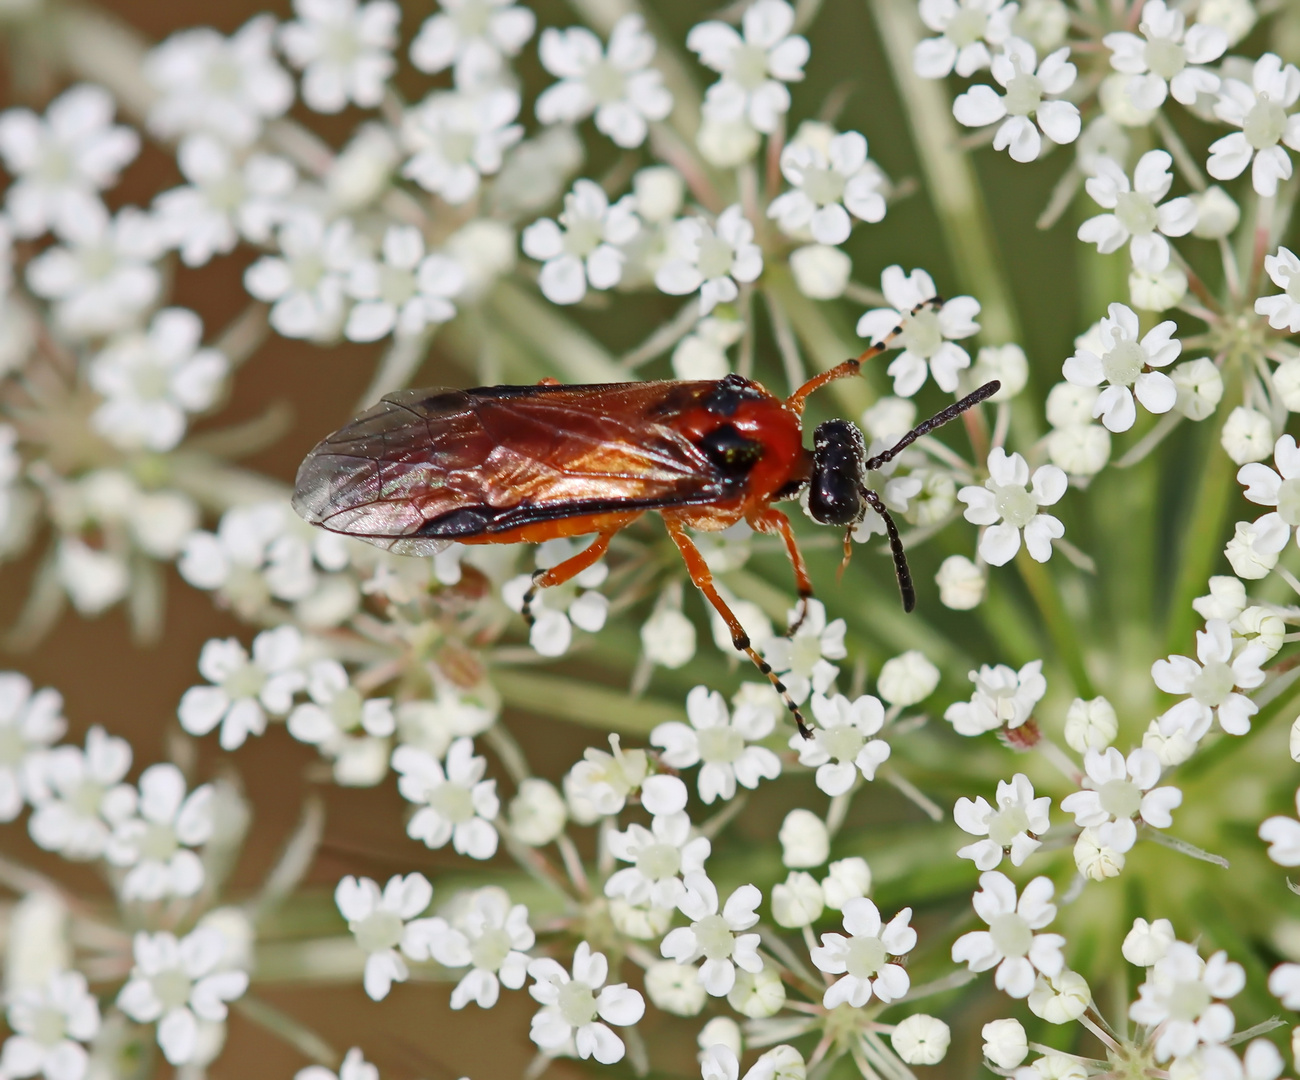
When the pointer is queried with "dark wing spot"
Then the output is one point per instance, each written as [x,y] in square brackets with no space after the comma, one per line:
[725,398]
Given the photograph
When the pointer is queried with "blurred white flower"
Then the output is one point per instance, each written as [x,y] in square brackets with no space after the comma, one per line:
[1247,435]
[711,258]
[226,198]
[961,583]
[180,984]
[1166,59]
[474,35]
[618,85]
[720,743]
[382,923]
[151,380]
[345,726]
[49,1024]
[60,161]
[208,82]
[76,793]
[404,292]
[928,336]
[966,29]
[455,802]
[345,50]
[845,880]
[921,1039]
[804,660]
[755,67]
[29,723]
[827,188]
[1138,217]
[455,139]
[584,247]
[154,842]
[1178,998]
[1008,504]
[354,1067]
[490,936]
[1259,108]
[304,283]
[1005,1043]
[1199,386]
[1028,84]
[1282,309]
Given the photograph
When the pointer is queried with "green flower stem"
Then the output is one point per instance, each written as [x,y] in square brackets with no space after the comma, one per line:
[581,702]
[1062,630]
[400,362]
[295,1033]
[574,354]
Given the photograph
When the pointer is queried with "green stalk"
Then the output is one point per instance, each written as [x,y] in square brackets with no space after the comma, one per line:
[581,702]
[1042,587]
[575,354]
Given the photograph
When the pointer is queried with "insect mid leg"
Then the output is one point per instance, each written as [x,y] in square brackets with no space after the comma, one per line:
[776,523]
[703,579]
[905,585]
[562,572]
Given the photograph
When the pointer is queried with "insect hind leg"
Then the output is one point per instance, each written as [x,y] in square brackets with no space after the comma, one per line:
[565,571]
[703,579]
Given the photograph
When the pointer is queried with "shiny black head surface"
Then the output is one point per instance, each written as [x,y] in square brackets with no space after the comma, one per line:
[835,490]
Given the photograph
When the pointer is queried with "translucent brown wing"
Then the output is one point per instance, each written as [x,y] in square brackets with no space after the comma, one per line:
[426,467]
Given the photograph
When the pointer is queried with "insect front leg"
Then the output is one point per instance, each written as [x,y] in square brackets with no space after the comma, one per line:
[565,571]
[776,523]
[703,579]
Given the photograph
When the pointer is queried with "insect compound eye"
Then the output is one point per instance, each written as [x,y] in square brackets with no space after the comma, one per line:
[835,490]
[730,451]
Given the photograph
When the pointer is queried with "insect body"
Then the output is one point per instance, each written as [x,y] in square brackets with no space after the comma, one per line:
[502,464]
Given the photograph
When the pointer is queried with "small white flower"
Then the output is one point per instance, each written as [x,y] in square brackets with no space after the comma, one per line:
[1117,789]
[907,679]
[660,855]
[558,610]
[754,68]
[344,726]
[1278,487]
[820,272]
[1091,725]
[101,279]
[846,879]
[842,747]
[668,638]
[711,258]
[1259,108]
[382,923]
[59,162]
[244,690]
[1005,1043]
[928,336]
[966,29]
[1007,504]
[1027,83]
[179,984]
[584,247]
[304,282]
[758,995]
[1282,834]
[1213,684]
[345,51]
[456,139]
[1138,217]
[805,840]
[1247,435]
[921,1039]
[719,743]
[716,937]
[718,1061]
[862,958]
[618,85]
[537,812]
[1013,826]
[961,583]
[1002,696]
[1284,984]
[1061,999]
[1179,996]
[1255,546]
[804,660]
[77,793]
[571,1005]
[28,724]
[1168,60]
[1147,942]
[798,901]
[226,198]
[474,35]
[490,936]
[458,804]
[155,841]
[828,187]
[599,785]
[49,1024]
[152,380]
[1199,385]
[208,82]
[354,1067]
[1283,309]
[1124,363]
[404,292]
[1010,942]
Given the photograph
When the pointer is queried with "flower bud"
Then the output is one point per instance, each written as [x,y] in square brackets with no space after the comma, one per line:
[1090,725]
[1234,17]
[675,988]
[1247,435]
[1094,860]
[932,500]
[921,1039]
[1286,381]
[757,996]
[1200,388]
[537,812]
[1147,942]
[961,585]
[797,901]
[726,143]
[1226,599]
[668,638]
[1060,999]
[890,418]
[1069,405]
[643,924]
[1080,449]
[1043,23]
[1005,1043]
[1258,625]
[1216,213]
[721,1030]
[816,134]
[1157,291]
[1117,103]
[659,190]
[907,679]
[1171,749]
[1007,364]
[484,250]
[804,840]
[1101,138]
[848,879]
[1254,548]
[363,168]
[820,272]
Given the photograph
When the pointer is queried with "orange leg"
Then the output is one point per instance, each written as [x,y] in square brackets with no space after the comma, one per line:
[775,523]
[703,578]
[562,572]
